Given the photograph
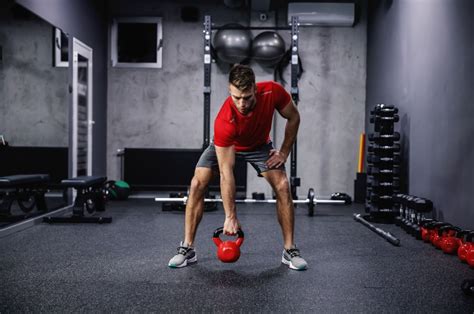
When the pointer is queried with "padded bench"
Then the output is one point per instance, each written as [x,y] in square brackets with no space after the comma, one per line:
[89,198]
[27,189]
[21,180]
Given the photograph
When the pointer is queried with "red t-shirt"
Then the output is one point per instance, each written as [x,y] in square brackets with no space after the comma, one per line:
[253,130]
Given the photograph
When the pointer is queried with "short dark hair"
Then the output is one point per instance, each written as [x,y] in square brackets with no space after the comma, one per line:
[242,77]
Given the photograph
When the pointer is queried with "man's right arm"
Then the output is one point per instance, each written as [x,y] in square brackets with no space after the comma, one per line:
[226,160]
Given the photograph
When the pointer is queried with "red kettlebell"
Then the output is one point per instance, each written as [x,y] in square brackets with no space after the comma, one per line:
[228,251]
[426,230]
[430,227]
[470,256]
[451,242]
[443,233]
[434,235]
[465,247]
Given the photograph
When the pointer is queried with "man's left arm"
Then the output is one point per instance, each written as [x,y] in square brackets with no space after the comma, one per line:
[292,116]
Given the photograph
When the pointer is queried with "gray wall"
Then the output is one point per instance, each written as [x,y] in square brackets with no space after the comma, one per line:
[34,97]
[163,108]
[421,59]
[85,20]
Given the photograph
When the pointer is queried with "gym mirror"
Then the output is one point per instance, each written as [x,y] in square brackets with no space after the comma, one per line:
[33,105]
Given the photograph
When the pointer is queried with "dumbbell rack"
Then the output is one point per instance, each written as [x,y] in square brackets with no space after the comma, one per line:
[383,161]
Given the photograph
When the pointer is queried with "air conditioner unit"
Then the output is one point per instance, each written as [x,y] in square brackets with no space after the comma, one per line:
[322,14]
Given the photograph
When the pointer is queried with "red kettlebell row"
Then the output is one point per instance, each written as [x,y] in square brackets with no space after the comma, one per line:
[450,239]
[228,251]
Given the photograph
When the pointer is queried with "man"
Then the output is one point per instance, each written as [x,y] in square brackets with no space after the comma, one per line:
[242,128]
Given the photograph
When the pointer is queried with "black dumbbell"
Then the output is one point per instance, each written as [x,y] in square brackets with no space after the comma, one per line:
[398,201]
[380,137]
[415,203]
[374,159]
[376,199]
[395,148]
[375,183]
[382,108]
[423,205]
[382,190]
[406,222]
[383,171]
[385,119]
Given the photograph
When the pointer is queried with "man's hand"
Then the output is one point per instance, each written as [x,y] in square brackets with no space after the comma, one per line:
[231,225]
[277,159]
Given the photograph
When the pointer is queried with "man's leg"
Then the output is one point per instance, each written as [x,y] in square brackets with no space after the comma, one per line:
[195,206]
[193,215]
[195,203]
[285,208]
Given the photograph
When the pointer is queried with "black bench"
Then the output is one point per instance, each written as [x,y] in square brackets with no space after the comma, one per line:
[90,198]
[27,189]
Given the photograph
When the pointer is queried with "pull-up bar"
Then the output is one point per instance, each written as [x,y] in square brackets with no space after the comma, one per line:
[287,28]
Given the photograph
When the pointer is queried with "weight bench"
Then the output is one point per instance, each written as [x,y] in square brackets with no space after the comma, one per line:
[27,189]
[89,198]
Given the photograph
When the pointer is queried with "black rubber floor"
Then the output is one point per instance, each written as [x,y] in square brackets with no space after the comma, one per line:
[122,267]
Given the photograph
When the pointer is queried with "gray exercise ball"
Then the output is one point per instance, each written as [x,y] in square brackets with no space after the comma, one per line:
[268,48]
[232,45]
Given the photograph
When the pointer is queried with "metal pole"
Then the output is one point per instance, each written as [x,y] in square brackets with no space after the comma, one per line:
[386,235]
[207,80]
[294,180]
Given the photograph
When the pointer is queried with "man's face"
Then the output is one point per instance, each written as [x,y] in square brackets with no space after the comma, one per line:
[245,100]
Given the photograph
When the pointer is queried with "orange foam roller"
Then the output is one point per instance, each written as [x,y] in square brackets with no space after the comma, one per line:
[360,167]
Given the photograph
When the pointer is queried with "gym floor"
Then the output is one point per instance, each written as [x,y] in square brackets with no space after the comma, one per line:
[122,267]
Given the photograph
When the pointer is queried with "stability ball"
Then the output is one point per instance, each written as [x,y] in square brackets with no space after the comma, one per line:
[232,45]
[268,48]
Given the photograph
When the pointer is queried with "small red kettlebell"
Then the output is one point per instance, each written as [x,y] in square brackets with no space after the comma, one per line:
[462,251]
[228,251]
[465,247]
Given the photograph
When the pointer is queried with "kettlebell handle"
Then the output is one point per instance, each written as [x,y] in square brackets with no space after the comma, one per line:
[220,230]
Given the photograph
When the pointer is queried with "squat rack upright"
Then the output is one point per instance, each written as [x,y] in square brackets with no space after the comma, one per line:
[207,32]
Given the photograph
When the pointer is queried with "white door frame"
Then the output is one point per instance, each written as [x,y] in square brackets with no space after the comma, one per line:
[82,49]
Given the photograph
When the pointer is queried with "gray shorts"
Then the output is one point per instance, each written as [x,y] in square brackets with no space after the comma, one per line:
[256,158]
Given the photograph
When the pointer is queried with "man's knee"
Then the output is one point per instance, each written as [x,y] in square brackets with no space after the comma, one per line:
[198,184]
[282,186]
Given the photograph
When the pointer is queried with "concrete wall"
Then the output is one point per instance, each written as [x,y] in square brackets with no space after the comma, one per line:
[163,108]
[421,59]
[34,93]
[86,21]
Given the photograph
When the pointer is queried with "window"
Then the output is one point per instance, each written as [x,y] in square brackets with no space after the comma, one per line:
[61,48]
[136,42]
